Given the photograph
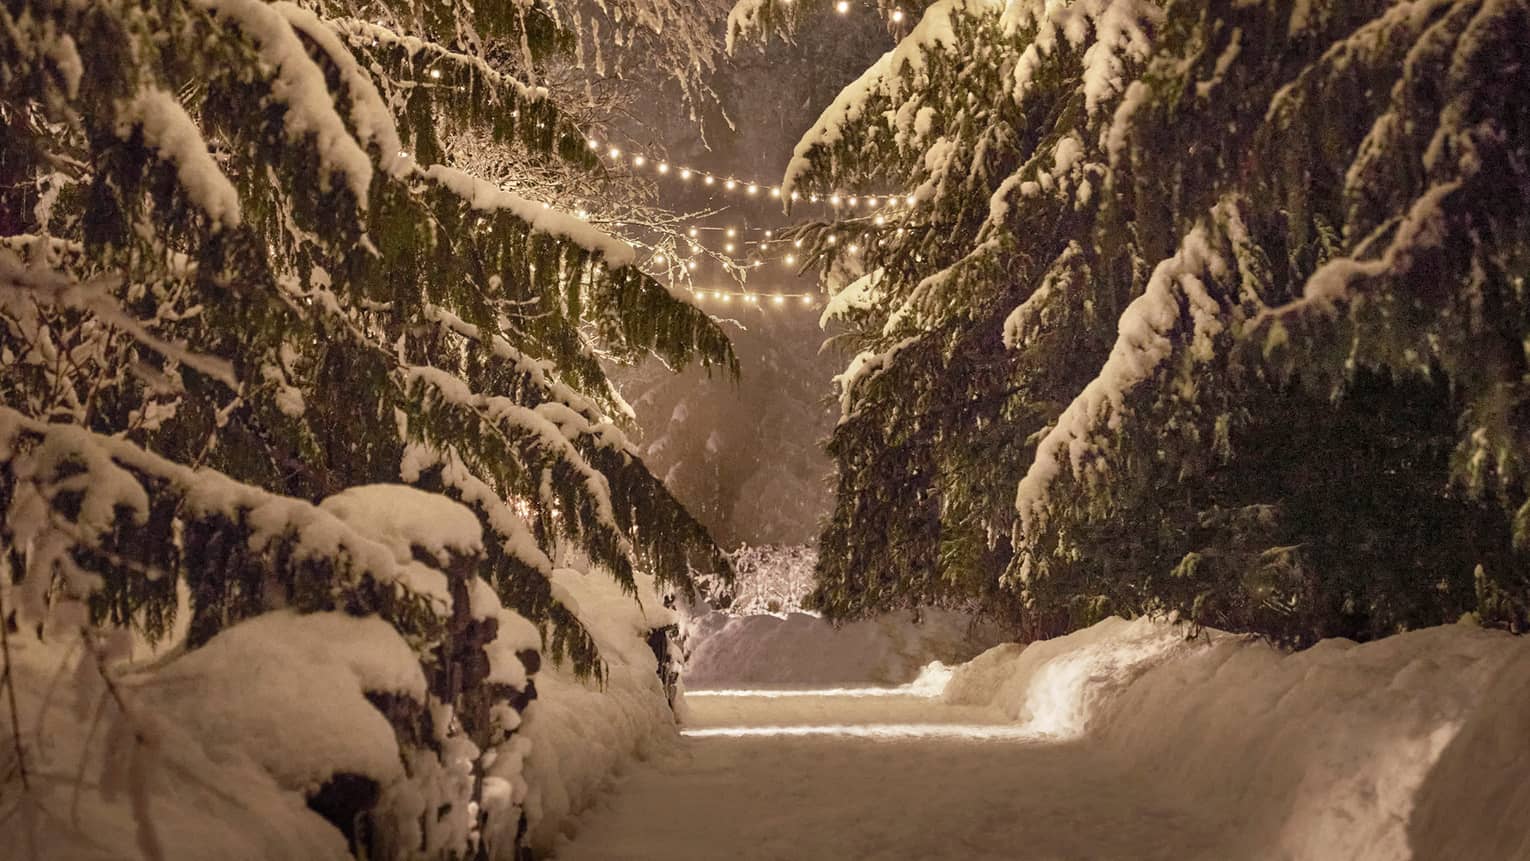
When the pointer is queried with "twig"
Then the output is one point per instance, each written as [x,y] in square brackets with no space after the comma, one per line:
[9,679]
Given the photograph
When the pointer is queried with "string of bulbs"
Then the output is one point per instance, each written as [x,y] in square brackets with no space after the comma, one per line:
[748,188]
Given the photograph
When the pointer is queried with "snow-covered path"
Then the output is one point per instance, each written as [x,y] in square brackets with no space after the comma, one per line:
[803,774]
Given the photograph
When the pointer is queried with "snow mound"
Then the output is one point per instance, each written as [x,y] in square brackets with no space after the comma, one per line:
[799,648]
[242,694]
[405,517]
[583,734]
[217,749]
[1323,753]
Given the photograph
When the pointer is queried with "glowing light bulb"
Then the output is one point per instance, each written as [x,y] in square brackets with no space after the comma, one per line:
[776,192]
[794,196]
[871,202]
[790,259]
[729,185]
[637,161]
[709,180]
[779,299]
[796,243]
[685,173]
[435,73]
[749,297]
[658,259]
[692,232]
[833,240]
[581,214]
[732,233]
[769,234]
[834,201]
[909,200]
[881,219]
[691,265]
[752,189]
[663,167]
[812,198]
[806,299]
[725,297]
[897,16]
[853,248]
[842,7]
[728,247]
[854,201]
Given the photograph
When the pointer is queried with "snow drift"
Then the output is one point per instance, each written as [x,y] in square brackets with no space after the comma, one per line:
[1410,746]
[800,648]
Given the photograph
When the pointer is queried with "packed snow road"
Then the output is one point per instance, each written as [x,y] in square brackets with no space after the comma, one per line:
[839,774]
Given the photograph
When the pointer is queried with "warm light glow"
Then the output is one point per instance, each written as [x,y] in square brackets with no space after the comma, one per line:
[871,202]
[731,233]
[854,201]
[909,200]
[725,297]
[779,300]
[790,259]
[807,300]
[685,173]
[692,232]
[776,192]
[728,247]
[729,185]
[842,6]
[749,297]
[709,180]
[854,248]
[769,233]
[881,220]
[897,16]
[834,201]
[753,189]
[796,243]
[435,73]
[833,239]
[614,152]
[976,732]
[813,198]
[658,259]
[691,265]
[637,161]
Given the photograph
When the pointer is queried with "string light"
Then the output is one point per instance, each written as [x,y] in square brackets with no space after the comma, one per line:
[749,297]
[897,16]
[842,7]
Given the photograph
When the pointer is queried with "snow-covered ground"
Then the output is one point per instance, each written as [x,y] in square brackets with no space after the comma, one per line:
[800,648]
[1121,741]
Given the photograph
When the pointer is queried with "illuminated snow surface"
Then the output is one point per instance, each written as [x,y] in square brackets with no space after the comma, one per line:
[1122,741]
[846,776]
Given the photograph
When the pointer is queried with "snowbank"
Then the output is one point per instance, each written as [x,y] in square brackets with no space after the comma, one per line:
[1411,746]
[799,648]
[216,749]
[584,735]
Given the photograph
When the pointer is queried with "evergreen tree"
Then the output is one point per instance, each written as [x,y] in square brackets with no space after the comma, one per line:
[1199,306]
[241,271]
